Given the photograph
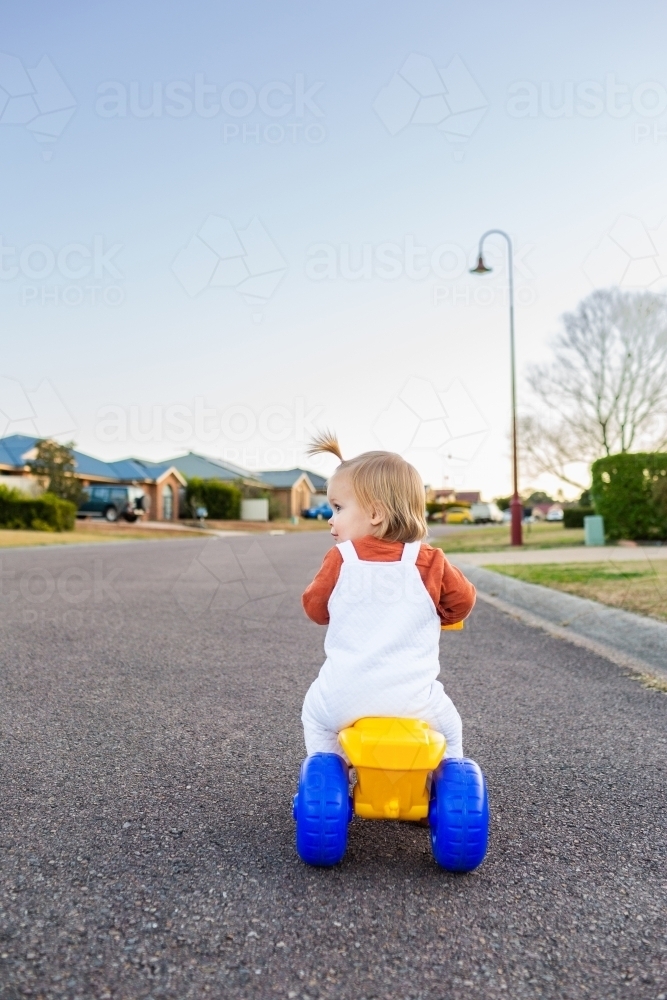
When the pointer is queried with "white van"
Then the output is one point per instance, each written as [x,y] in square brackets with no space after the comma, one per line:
[486,513]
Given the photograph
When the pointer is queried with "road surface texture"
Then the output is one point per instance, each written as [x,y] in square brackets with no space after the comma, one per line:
[150,738]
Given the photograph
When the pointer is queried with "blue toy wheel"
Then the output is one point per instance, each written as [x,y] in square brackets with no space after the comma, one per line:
[458,815]
[322,809]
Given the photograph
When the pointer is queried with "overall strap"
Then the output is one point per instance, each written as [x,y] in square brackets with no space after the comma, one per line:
[348,551]
[410,552]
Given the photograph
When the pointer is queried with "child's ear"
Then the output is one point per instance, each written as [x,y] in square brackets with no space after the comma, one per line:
[377,516]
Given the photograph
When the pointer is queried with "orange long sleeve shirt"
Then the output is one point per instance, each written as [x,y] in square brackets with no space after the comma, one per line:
[452,595]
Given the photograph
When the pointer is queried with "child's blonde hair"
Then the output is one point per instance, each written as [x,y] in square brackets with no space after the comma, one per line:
[383,479]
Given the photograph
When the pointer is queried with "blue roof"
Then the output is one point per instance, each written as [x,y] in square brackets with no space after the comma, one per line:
[14,448]
[287,477]
[86,465]
[194,466]
[137,468]
[17,446]
[7,457]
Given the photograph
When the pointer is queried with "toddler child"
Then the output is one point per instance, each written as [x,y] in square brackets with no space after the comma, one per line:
[384,594]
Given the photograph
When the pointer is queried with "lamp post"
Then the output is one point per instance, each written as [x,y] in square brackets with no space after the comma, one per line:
[516,507]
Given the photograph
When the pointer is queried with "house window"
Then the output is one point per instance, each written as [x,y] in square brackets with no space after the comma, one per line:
[167,503]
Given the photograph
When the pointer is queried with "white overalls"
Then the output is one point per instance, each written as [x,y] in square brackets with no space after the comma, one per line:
[382,654]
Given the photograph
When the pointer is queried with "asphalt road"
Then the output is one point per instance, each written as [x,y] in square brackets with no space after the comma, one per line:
[150,738]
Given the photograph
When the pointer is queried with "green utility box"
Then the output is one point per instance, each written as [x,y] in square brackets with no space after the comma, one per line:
[594,529]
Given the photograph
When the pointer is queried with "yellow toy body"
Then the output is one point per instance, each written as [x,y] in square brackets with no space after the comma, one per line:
[456,627]
[393,759]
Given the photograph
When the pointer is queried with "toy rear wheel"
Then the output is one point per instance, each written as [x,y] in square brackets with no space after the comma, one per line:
[459,815]
[322,809]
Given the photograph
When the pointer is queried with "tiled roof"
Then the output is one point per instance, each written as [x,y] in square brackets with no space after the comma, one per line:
[13,450]
[14,447]
[17,446]
[195,466]
[136,468]
[287,477]
[7,457]
[470,496]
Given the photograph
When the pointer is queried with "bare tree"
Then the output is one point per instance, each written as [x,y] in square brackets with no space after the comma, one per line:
[605,390]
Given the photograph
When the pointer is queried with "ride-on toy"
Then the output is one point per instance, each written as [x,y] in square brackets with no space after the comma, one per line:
[396,761]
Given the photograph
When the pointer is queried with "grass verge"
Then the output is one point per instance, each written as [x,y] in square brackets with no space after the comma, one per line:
[641,588]
[496,538]
[87,531]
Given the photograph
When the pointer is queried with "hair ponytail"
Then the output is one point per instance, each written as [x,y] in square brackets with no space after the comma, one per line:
[325,442]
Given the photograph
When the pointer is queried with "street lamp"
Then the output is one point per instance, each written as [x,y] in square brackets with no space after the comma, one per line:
[516,507]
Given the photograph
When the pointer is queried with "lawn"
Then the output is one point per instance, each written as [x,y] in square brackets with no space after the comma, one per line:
[88,531]
[642,589]
[496,538]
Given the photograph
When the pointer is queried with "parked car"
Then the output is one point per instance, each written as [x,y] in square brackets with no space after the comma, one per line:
[486,513]
[112,502]
[321,513]
[555,514]
[459,515]
[527,516]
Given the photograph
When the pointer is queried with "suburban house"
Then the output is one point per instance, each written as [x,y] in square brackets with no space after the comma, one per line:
[164,482]
[161,481]
[194,466]
[540,510]
[449,495]
[295,489]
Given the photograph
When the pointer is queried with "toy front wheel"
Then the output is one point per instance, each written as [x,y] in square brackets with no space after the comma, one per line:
[459,815]
[322,809]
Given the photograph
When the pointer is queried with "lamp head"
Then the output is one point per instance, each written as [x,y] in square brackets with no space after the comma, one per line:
[481,267]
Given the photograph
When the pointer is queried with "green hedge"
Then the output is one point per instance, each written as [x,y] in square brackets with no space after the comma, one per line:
[45,513]
[222,500]
[573,517]
[625,490]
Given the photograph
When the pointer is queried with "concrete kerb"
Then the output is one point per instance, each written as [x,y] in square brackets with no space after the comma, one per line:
[631,641]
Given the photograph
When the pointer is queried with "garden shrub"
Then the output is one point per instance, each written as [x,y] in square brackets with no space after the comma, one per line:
[573,517]
[626,491]
[659,493]
[45,513]
[222,500]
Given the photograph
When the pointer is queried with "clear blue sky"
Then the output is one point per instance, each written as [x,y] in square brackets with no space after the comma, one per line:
[411,363]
